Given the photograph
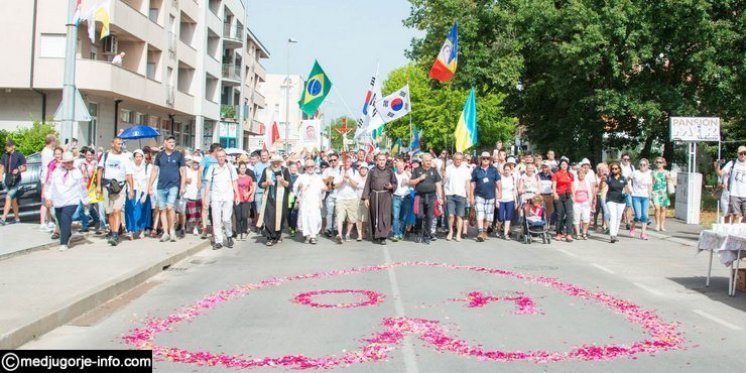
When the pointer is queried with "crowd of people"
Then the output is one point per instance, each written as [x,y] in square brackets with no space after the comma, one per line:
[165,193]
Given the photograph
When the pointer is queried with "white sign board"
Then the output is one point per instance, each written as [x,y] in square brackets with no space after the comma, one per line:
[228,130]
[310,134]
[695,129]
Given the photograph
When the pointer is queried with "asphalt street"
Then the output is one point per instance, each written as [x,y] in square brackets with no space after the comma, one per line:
[445,307]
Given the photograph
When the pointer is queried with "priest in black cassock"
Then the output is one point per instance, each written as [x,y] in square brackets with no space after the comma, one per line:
[273,215]
[377,196]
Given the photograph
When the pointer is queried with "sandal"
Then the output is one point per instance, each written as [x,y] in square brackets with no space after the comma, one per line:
[568,238]
[559,237]
[359,239]
[55,236]
[153,234]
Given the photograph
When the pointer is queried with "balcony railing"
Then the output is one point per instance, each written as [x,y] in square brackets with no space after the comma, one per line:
[231,71]
[229,111]
[232,33]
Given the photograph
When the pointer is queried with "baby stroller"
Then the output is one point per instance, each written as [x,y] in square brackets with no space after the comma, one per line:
[531,227]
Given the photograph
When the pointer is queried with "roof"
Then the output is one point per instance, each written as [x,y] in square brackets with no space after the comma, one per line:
[260,46]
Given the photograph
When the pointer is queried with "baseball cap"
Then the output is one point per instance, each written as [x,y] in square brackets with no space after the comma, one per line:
[486,155]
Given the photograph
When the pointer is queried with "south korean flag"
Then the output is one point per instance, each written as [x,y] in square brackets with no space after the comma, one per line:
[395,105]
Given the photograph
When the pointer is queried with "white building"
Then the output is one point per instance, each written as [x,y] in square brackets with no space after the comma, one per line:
[282,93]
[188,68]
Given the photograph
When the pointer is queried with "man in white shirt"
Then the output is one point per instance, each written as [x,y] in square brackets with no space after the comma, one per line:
[118,59]
[65,192]
[222,183]
[329,174]
[457,183]
[114,180]
[734,183]
[347,201]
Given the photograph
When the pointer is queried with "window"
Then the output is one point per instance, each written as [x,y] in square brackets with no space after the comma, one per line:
[111,44]
[52,45]
[125,116]
[142,118]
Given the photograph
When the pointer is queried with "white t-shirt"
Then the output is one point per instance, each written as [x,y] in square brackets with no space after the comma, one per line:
[456,179]
[402,184]
[361,184]
[627,170]
[47,155]
[508,188]
[116,166]
[641,183]
[346,191]
[141,176]
[191,188]
[221,181]
[738,189]
[331,172]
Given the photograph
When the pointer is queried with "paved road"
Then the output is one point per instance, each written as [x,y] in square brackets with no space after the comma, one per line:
[426,304]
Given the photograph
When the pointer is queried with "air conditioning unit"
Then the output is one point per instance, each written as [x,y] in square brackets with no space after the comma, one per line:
[111,44]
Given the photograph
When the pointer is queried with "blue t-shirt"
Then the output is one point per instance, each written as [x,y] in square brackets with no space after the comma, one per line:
[259,168]
[484,181]
[205,163]
[169,166]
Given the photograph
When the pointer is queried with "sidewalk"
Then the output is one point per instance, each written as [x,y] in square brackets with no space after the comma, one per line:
[44,289]
[23,238]
[679,232]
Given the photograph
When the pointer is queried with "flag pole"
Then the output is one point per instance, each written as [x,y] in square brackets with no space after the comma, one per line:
[410,114]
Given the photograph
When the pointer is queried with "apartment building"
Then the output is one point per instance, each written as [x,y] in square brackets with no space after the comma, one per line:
[184,71]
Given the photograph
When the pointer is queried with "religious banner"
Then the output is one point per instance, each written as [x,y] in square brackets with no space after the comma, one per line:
[310,134]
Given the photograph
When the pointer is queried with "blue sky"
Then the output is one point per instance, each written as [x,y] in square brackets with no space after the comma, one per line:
[348,37]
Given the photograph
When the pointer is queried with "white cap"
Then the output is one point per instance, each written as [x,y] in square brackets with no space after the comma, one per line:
[486,155]
[510,160]
[585,161]
[68,157]
[276,158]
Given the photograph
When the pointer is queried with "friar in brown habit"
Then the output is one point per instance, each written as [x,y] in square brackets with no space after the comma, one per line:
[377,196]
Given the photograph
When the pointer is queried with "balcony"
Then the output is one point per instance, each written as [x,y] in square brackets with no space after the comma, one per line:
[259,99]
[232,36]
[260,71]
[256,127]
[232,73]
[229,112]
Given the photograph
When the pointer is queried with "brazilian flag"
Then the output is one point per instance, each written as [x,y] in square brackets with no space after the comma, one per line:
[315,91]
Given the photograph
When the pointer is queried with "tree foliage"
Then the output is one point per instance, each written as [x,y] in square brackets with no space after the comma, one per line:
[597,74]
[436,109]
[28,140]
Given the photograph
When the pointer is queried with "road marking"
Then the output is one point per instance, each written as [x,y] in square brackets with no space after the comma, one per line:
[717,320]
[567,252]
[648,289]
[410,362]
[603,268]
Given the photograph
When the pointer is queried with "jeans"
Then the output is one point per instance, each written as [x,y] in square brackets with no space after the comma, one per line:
[400,211]
[616,211]
[85,217]
[242,217]
[331,202]
[564,209]
[65,221]
[641,206]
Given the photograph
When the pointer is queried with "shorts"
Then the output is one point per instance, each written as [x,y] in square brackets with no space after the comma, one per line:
[725,202]
[628,200]
[505,211]
[114,202]
[12,192]
[362,215]
[737,205]
[347,209]
[581,213]
[167,197]
[456,205]
[485,208]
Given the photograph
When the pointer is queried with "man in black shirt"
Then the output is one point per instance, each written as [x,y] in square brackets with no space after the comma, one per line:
[12,164]
[428,187]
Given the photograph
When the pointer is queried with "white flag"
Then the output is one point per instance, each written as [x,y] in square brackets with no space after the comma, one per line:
[393,107]
[369,113]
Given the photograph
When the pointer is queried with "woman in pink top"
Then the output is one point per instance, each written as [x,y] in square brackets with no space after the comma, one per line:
[246,190]
[583,198]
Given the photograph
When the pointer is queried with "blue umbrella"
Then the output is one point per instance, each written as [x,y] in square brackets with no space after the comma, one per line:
[139,132]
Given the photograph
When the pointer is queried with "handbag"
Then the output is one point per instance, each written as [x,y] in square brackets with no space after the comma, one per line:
[114,187]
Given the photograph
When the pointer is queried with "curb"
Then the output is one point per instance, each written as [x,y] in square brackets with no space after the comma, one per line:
[15,338]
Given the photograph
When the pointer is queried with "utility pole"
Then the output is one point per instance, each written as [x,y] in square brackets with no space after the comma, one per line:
[68,81]
[288,84]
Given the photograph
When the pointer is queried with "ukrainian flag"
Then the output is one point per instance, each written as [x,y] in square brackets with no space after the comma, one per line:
[466,129]
[317,88]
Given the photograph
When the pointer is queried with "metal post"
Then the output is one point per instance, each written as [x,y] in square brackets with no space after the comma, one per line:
[68,81]
[287,95]
[717,208]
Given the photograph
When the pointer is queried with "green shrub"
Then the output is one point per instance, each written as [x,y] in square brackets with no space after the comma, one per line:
[29,140]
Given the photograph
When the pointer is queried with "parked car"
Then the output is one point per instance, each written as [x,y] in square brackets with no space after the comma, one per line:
[30,199]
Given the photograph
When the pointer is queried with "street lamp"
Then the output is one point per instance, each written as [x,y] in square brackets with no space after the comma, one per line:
[287,84]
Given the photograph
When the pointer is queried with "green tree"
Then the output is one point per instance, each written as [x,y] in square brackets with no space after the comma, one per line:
[436,110]
[28,140]
[596,74]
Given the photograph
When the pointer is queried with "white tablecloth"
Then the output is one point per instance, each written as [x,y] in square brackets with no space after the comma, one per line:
[727,246]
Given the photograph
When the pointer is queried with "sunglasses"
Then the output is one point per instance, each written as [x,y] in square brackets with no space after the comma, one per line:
[742,153]
[658,162]
[332,160]
[625,159]
[614,168]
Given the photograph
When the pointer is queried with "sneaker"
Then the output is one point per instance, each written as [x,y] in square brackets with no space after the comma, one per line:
[347,238]
[165,237]
[3,222]
[50,225]
[113,240]
[480,237]
[382,241]
[42,227]
[632,232]
[643,236]
[613,239]
[180,233]
[307,240]
[204,234]
[328,233]
[229,243]
[339,240]
[63,248]
[426,241]
[313,241]
[394,238]
[217,246]
[433,238]
[173,239]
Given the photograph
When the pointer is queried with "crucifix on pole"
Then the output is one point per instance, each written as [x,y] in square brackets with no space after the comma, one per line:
[344,130]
